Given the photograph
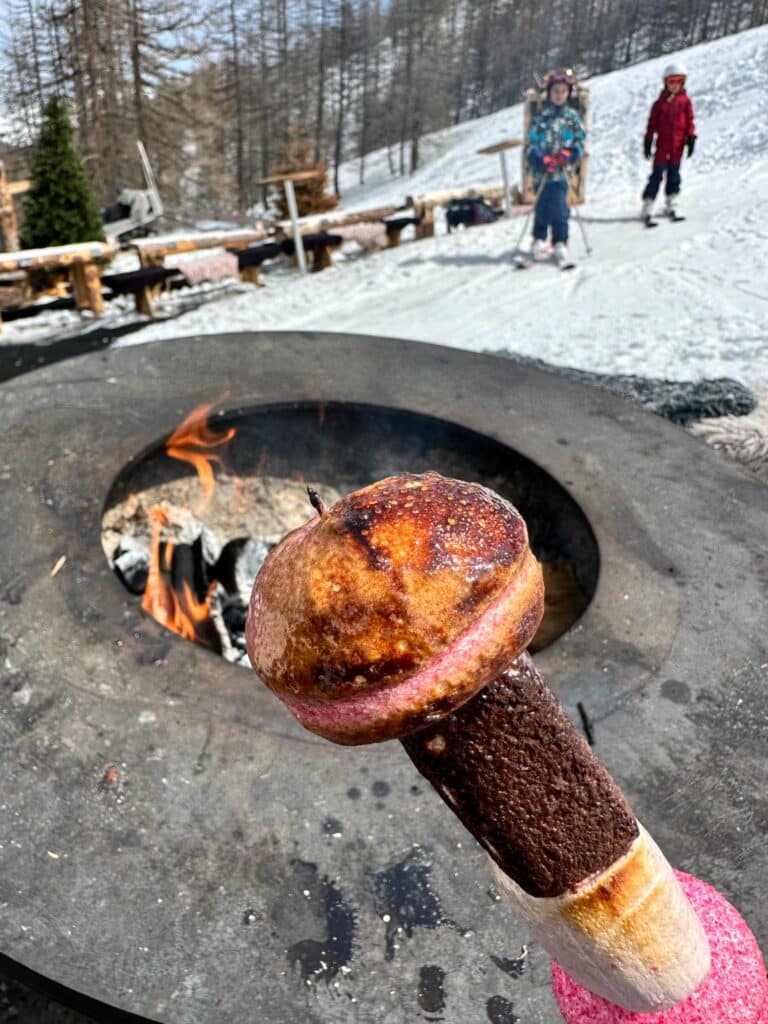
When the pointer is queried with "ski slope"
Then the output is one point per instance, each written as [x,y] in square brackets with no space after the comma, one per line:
[684,301]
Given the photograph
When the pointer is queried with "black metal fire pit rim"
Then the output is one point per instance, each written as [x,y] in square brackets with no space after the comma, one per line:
[100,1012]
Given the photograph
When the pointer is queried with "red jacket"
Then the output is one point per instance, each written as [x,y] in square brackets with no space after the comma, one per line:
[671,120]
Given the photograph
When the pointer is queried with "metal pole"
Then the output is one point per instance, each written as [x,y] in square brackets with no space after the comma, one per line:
[572,192]
[505,180]
[290,196]
[157,203]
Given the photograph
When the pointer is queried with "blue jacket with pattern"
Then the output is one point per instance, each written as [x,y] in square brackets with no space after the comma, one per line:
[552,129]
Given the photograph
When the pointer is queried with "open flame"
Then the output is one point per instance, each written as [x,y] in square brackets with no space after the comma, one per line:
[180,609]
[180,612]
[193,441]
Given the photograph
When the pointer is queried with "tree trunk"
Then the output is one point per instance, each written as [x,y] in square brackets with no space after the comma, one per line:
[342,73]
[238,99]
[320,109]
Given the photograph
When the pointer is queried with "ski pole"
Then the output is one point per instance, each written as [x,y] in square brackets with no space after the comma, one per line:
[542,183]
[577,215]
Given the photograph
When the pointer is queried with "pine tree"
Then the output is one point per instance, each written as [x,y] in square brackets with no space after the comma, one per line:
[61,206]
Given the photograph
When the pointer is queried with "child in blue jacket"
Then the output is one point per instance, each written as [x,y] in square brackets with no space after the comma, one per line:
[555,143]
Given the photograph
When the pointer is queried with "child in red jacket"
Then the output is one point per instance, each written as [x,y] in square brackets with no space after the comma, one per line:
[671,121]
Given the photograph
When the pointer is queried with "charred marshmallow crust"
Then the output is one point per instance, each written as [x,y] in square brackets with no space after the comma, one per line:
[443,683]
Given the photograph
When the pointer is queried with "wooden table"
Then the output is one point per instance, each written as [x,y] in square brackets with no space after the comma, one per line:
[501,148]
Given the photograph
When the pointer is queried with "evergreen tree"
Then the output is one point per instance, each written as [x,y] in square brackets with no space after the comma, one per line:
[61,206]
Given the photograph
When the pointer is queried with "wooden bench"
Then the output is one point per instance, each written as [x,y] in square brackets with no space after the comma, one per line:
[82,261]
[394,227]
[152,252]
[249,260]
[318,245]
[141,283]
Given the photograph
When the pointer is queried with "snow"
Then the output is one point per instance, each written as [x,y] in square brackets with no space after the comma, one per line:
[684,301]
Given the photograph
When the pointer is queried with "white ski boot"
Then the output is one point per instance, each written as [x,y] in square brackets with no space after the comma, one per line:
[562,259]
[647,213]
[670,209]
[540,249]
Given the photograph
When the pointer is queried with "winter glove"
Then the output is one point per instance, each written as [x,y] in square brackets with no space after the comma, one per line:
[690,142]
[648,146]
[536,158]
[556,161]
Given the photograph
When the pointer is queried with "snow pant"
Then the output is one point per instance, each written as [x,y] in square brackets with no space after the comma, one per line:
[654,182]
[552,210]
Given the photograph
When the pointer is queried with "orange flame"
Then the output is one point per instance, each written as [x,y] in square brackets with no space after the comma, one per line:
[180,613]
[192,442]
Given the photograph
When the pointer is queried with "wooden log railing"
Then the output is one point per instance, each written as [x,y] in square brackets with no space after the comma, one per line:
[337,219]
[153,250]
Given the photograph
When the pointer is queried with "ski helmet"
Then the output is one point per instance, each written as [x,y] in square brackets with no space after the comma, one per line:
[564,75]
[675,70]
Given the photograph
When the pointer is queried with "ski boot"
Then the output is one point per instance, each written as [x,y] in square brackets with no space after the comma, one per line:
[647,214]
[562,259]
[670,209]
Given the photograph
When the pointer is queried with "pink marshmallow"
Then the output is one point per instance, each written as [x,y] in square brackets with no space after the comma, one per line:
[734,992]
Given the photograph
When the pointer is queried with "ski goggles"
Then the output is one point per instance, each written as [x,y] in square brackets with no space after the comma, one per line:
[676,79]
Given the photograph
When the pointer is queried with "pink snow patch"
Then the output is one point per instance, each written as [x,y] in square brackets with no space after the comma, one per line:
[734,992]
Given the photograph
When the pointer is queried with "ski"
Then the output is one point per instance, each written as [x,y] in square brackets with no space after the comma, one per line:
[650,222]
[525,262]
[522,261]
[675,217]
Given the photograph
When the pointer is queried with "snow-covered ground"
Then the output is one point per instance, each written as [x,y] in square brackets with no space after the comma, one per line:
[685,301]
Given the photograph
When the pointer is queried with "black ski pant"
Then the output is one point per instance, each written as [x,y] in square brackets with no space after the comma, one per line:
[654,182]
[552,209]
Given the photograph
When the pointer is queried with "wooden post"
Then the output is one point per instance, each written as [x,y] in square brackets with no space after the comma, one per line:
[252,275]
[9,229]
[426,229]
[322,258]
[86,283]
[144,302]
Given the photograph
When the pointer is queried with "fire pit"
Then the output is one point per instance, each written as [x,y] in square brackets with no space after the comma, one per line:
[199,587]
[172,844]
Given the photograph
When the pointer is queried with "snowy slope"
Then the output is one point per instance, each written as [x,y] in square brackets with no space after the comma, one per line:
[684,301]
